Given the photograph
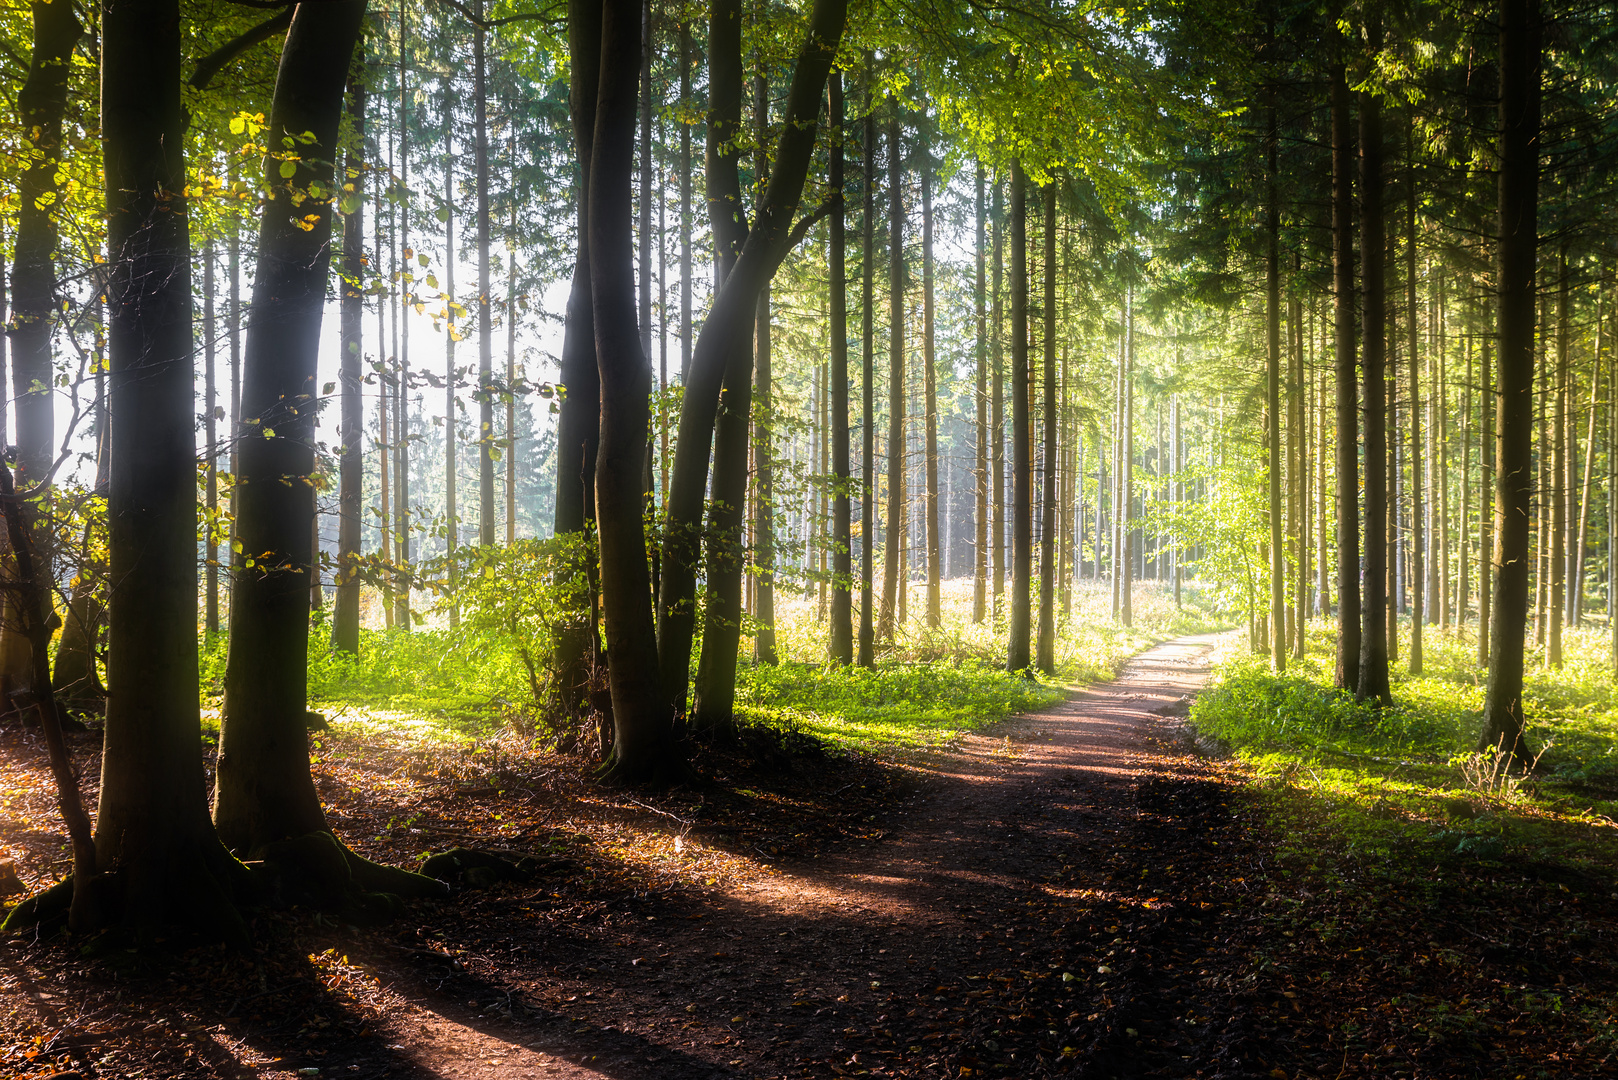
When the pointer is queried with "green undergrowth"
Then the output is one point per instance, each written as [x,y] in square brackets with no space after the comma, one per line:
[1402,786]
[929,686]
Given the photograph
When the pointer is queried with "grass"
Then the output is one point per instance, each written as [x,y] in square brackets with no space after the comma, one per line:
[929,686]
[1404,781]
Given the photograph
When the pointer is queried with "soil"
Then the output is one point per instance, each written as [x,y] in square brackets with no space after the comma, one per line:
[1076,892]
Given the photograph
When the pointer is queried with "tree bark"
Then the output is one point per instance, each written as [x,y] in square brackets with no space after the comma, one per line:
[1487,474]
[1418,579]
[1373,676]
[452,518]
[1022,453]
[867,658]
[980,475]
[1272,328]
[764,429]
[1345,371]
[643,735]
[1560,468]
[487,390]
[997,403]
[1045,648]
[893,528]
[748,259]
[1520,59]
[264,791]
[842,622]
[152,828]
[929,372]
[345,632]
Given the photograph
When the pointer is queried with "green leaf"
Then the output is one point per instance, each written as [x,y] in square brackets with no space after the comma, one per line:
[289,169]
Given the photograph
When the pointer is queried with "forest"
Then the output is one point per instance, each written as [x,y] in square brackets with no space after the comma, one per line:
[807,538]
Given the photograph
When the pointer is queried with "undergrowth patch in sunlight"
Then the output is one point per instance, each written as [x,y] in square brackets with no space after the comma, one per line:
[1404,783]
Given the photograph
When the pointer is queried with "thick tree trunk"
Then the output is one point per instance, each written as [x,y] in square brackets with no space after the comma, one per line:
[264,792]
[893,528]
[1022,443]
[929,374]
[867,656]
[1347,398]
[152,830]
[748,259]
[841,636]
[577,422]
[1373,677]
[980,474]
[345,631]
[1045,649]
[1520,59]
[643,735]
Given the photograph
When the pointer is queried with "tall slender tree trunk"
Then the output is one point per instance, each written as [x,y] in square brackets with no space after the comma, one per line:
[684,179]
[401,385]
[1345,372]
[842,542]
[1520,60]
[1488,473]
[893,529]
[452,518]
[764,433]
[980,475]
[487,389]
[1419,582]
[1022,442]
[1561,467]
[642,745]
[210,436]
[1125,512]
[1272,326]
[1373,675]
[511,362]
[868,373]
[1045,650]
[929,374]
[997,418]
[345,629]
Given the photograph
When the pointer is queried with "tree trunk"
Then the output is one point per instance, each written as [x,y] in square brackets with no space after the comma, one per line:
[1560,468]
[893,530]
[642,745]
[152,828]
[578,418]
[748,259]
[764,435]
[210,439]
[929,374]
[1347,398]
[1045,650]
[345,632]
[980,475]
[487,390]
[452,519]
[401,383]
[1125,556]
[264,792]
[1272,328]
[1022,454]
[1520,35]
[1487,482]
[41,103]
[842,623]
[997,405]
[1373,676]
[1418,579]
[867,657]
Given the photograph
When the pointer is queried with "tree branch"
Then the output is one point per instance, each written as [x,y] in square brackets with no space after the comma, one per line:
[210,65]
[805,223]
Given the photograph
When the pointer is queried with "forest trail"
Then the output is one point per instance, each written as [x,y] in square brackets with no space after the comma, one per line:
[979,936]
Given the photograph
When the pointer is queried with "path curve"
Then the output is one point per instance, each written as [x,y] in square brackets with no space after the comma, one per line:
[793,973]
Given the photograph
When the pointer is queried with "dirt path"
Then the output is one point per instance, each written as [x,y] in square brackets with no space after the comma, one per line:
[1025,914]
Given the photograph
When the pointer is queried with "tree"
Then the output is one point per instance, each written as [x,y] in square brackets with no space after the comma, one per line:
[1022,440]
[345,628]
[1046,654]
[929,376]
[892,533]
[1521,31]
[841,645]
[1373,678]
[1344,370]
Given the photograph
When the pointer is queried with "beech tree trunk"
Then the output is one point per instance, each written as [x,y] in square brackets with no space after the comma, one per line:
[842,623]
[264,791]
[757,252]
[1373,678]
[153,837]
[345,629]
[643,735]
[1345,372]
[1022,443]
[893,529]
[1520,59]
[1045,654]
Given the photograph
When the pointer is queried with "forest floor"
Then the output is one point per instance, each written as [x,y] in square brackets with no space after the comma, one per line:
[1071,892]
